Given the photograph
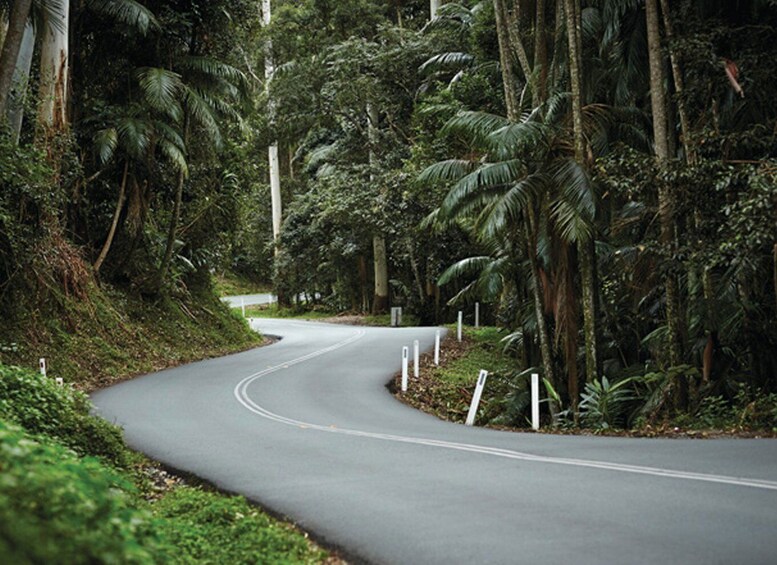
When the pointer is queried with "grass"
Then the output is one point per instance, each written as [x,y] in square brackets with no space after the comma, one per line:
[231,284]
[485,352]
[112,334]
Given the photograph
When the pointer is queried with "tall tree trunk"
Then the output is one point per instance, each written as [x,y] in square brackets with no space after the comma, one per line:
[506,62]
[272,150]
[52,113]
[585,246]
[513,19]
[17,20]
[380,302]
[21,76]
[665,196]
[115,222]
[540,94]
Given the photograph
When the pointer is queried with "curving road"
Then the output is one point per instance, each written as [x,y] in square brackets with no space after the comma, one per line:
[307,428]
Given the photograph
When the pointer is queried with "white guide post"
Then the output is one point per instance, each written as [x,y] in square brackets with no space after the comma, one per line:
[404,369]
[42,364]
[416,361]
[60,381]
[458,329]
[437,348]
[477,314]
[243,306]
[535,401]
[473,407]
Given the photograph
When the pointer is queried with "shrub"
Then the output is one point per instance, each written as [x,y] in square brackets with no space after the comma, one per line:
[58,508]
[42,407]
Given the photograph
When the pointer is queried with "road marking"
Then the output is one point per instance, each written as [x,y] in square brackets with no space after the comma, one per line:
[241,394]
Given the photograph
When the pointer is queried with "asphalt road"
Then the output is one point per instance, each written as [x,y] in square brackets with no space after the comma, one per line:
[307,428]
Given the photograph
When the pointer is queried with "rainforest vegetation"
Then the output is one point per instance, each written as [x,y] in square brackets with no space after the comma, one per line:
[598,174]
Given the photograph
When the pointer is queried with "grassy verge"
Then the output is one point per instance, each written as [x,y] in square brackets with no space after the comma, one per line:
[231,284]
[324,315]
[446,391]
[111,335]
[72,492]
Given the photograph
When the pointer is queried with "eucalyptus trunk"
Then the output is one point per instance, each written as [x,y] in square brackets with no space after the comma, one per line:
[52,112]
[272,150]
[17,21]
[665,196]
[21,76]
[434,6]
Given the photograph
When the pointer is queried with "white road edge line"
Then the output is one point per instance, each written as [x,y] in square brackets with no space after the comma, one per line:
[241,394]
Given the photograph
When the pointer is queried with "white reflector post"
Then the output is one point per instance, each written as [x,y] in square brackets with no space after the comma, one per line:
[416,361]
[437,348]
[535,401]
[404,369]
[243,306]
[42,363]
[458,329]
[473,407]
[477,314]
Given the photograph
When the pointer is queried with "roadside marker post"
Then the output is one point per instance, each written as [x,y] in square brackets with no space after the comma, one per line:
[42,364]
[477,314]
[535,401]
[437,348]
[396,316]
[473,407]
[60,381]
[404,369]
[243,306]
[416,361]
[458,330]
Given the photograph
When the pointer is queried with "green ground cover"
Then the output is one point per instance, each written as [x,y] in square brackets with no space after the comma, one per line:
[72,492]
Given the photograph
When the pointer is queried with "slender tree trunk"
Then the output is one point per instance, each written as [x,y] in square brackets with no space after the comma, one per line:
[17,20]
[665,197]
[516,43]
[542,324]
[380,302]
[585,246]
[506,62]
[172,230]
[52,113]
[540,94]
[115,222]
[21,76]
[272,150]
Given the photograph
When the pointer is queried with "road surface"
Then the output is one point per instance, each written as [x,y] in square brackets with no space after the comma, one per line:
[307,428]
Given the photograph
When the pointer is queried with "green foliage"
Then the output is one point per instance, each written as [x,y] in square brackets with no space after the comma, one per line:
[44,408]
[208,527]
[604,404]
[58,508]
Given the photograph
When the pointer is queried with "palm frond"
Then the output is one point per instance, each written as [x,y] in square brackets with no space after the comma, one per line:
[203,114]
[105,143]
[454,60]
[489,175]
[134,136]
[127,12]
[452,169]
[476,126]
[160,88]
[468,267]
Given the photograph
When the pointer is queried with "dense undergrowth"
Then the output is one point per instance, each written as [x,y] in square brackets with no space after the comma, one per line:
[637,404]
[71,492]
